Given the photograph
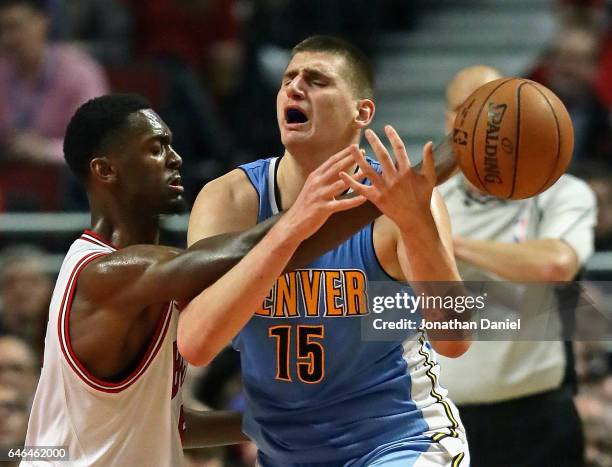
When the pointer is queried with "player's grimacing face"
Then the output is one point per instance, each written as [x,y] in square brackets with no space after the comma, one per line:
[149,167]
[316,104]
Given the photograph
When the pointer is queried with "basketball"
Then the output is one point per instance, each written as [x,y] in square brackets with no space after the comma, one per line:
[513,138]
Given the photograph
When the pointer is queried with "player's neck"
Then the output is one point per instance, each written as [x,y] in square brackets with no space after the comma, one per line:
[295,167]
[292,174]
[122,227]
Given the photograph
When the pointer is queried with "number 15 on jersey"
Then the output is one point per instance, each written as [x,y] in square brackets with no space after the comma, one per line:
[310,354]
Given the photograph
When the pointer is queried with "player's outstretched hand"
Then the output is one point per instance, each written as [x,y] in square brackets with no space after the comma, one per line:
[317,200]
[401,193]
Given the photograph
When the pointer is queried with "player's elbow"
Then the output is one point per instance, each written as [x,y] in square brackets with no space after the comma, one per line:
[451,349]
[194,354]
[560,269]
[192,347]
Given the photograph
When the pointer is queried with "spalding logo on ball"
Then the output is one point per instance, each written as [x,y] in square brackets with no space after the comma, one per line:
[513,138]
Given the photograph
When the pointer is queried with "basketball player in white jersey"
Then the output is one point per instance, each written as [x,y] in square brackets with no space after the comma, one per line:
[110,387]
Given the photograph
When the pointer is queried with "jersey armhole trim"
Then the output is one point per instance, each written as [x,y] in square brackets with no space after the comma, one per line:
[254,187]
[375,256]
[76,365]
[92,237]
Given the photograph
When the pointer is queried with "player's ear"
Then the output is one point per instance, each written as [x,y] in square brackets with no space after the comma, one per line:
[102,169]
[365,112]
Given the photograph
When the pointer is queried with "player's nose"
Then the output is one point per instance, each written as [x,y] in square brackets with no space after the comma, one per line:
[174,160]
[295,89]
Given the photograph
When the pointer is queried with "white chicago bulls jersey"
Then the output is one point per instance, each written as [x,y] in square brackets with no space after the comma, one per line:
[136,421]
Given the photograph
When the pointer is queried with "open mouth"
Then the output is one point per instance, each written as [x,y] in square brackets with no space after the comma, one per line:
[293,115]
[175,183]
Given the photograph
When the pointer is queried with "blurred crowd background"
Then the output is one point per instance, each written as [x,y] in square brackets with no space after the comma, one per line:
[211,68]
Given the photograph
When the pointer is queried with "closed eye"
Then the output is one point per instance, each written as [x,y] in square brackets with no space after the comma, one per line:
[158,149]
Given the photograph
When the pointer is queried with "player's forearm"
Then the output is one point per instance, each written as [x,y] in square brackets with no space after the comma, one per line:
[205,262]
[212,428]
[337,229]
[433,272]
[530,261]
[422,255]
[216,315]
[208,259]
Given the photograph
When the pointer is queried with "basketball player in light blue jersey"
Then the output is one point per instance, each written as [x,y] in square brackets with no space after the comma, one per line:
[316,393]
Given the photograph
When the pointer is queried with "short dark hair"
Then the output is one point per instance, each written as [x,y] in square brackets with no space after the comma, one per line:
[362,74]
[94,124]
[38,5]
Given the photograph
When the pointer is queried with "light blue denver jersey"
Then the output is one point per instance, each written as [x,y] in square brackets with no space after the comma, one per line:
[316,392]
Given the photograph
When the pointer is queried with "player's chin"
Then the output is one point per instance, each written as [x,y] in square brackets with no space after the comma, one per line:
[295,139]
[176,205]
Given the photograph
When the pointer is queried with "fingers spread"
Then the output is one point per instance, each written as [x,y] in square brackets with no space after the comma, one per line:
[359,175]
[337,188]
[359,188]
[349,203]
[399,149]
[335,158]
[342,162]
[366,168]
[388,167]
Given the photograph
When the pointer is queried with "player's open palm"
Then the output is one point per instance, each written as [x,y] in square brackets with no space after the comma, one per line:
[400,192]
[317,200]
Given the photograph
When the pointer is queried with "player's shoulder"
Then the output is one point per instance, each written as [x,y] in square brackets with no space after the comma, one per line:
[114,266]
[232,189]
[256,165]
[226,204]
[237,187]
[569,188]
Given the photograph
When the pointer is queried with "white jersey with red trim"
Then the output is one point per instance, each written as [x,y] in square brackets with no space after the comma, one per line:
[136,421]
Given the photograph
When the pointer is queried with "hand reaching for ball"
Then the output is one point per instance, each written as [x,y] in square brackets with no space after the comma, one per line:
[398,190]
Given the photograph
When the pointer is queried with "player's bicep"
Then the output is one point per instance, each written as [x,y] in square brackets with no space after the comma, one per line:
[227,204]
[392,253]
